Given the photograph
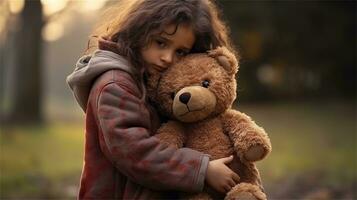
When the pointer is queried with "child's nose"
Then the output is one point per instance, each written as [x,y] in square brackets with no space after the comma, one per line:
[167,58]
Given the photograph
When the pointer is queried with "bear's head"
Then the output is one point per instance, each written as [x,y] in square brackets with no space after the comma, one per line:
[197,87]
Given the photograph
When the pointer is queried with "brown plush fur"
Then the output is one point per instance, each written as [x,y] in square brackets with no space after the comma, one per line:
[203,88]
[245,191]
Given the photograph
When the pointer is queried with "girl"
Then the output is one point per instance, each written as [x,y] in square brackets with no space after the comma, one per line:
[122,158]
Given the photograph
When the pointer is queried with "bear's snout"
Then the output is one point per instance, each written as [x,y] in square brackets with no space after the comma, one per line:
[193,103]
[185,97]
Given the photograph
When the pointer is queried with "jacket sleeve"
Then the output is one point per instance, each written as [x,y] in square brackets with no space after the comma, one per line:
[124,122]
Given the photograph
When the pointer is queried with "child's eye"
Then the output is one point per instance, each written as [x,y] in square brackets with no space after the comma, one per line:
[181,53]
[160,43]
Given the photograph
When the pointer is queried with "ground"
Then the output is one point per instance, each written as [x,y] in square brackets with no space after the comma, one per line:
[313,157]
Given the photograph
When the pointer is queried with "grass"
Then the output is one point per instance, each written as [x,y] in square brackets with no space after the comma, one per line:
[35,161]
[311,140]
[307,138]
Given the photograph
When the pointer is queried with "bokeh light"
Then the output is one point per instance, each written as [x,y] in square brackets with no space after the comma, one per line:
[52,31]
[16,6]
[91,5]
[52,6]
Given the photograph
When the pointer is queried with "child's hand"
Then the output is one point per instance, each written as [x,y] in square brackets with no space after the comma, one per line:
[219,176]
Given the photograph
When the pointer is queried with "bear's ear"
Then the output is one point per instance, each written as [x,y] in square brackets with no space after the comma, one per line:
[225,58]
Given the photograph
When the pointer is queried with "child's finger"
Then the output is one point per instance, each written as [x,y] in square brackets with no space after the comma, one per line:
[227,188]
[236,178]
[227,160]
[231,183]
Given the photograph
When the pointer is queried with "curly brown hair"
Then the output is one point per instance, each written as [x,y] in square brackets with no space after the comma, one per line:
[127,26]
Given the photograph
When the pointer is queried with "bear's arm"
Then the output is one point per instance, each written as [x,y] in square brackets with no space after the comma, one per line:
[171,133]
[250,141]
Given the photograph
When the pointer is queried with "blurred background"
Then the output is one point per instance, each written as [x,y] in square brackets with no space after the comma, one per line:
[297,79]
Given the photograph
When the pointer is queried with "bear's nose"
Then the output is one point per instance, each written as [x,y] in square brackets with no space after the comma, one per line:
[185,97]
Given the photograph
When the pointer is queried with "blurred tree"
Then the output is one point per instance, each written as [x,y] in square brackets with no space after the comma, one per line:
[294,50]
[27,99]
[25,57]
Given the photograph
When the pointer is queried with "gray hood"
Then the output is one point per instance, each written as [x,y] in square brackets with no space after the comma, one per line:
[89,67]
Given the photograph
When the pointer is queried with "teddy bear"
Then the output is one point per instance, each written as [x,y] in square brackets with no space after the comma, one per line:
[196,94]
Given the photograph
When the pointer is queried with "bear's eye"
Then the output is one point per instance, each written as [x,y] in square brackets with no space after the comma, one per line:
[205,83]
[172,95]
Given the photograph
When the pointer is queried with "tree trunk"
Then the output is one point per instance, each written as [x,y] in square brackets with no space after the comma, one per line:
[27,99]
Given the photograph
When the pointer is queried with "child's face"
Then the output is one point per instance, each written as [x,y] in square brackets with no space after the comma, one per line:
[165,49]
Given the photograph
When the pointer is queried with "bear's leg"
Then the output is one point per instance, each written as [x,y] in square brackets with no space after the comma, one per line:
[245,191]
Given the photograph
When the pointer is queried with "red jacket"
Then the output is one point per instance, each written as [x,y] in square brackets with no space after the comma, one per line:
[122,159]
